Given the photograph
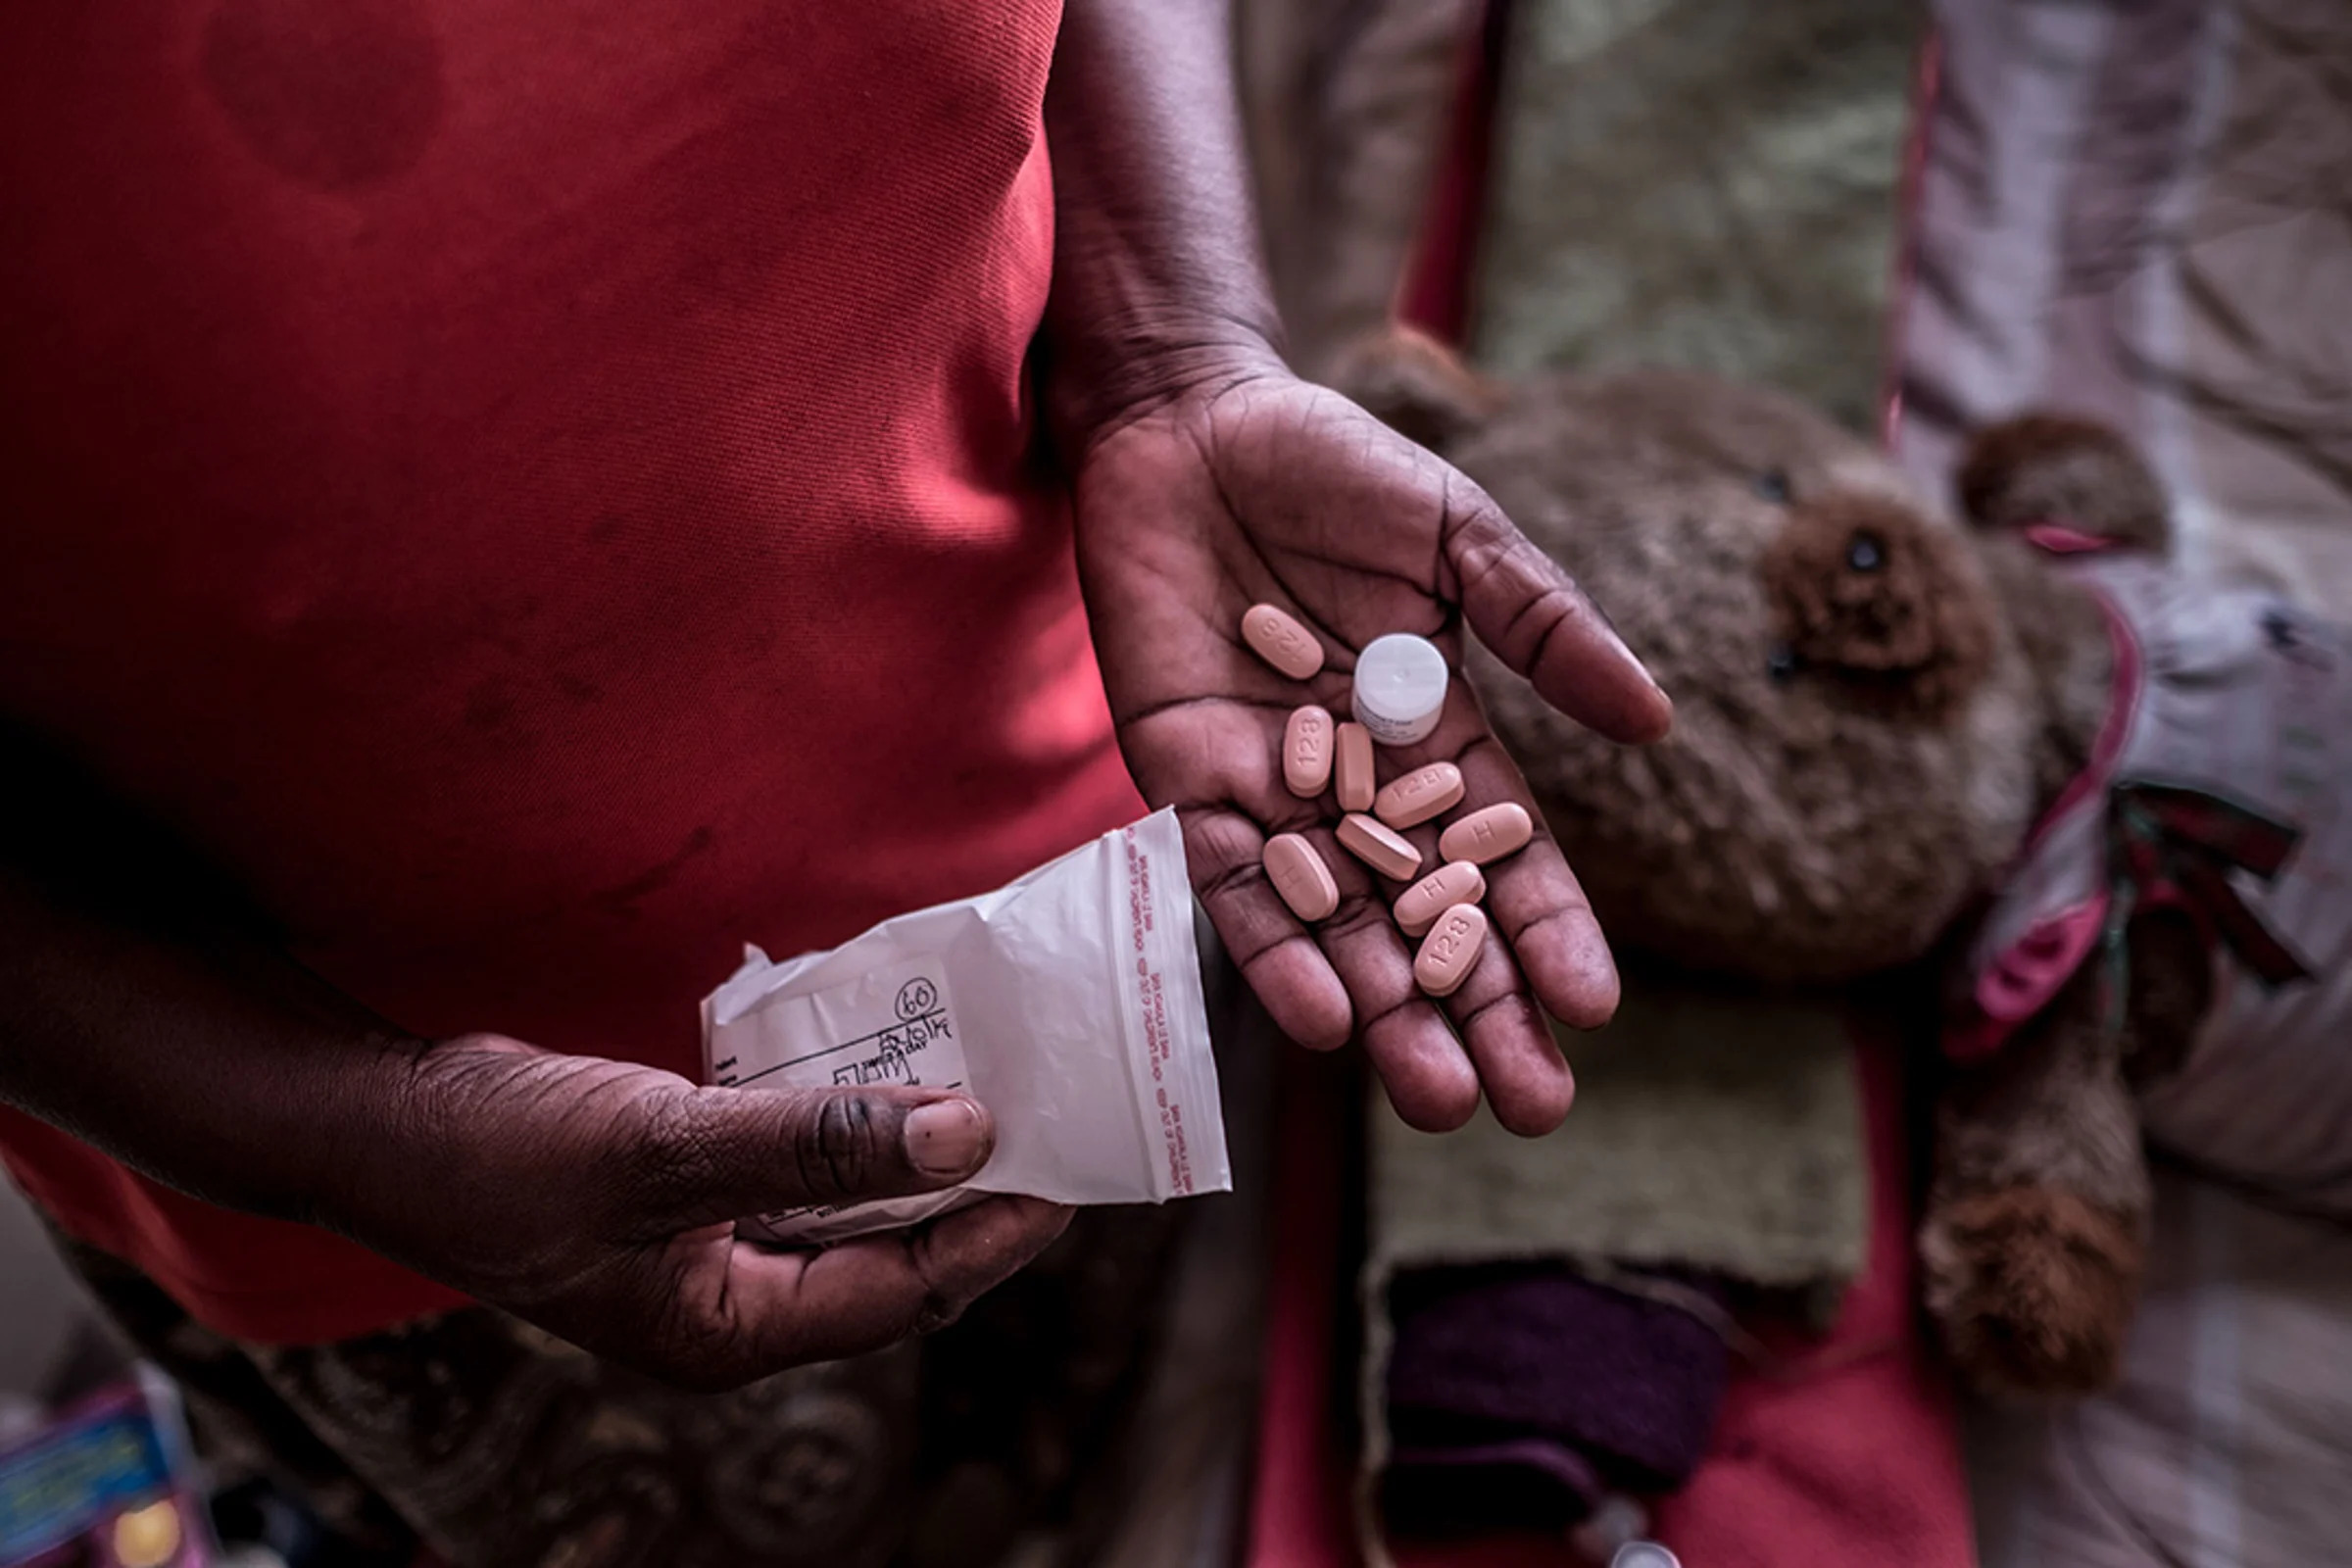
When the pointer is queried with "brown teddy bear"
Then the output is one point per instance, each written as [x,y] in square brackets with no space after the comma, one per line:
[1889,728]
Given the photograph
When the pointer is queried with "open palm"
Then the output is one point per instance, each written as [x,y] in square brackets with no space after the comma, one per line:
[1273,490]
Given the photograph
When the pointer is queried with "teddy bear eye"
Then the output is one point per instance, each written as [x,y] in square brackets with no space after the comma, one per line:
[1781,662]
[1773,485]
[1866,551]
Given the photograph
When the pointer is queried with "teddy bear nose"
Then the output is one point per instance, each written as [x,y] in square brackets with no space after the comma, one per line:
[1880,604]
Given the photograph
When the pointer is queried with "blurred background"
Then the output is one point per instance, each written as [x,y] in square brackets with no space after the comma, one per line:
[41,1305]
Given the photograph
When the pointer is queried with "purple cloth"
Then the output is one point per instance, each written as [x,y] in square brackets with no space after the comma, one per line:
[1496,1355]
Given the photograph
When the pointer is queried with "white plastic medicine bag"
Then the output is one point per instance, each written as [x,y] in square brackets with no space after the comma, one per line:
[1068,1003]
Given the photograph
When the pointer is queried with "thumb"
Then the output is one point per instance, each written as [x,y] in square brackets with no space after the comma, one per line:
[1533,616]
[712,1155]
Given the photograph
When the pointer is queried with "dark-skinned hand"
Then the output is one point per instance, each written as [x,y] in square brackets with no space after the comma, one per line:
[1251,487]
[599,1200]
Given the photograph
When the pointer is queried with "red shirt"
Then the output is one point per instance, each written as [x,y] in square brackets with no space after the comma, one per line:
[543,494]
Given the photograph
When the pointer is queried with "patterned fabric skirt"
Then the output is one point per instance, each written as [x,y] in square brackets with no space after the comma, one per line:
[477,1438]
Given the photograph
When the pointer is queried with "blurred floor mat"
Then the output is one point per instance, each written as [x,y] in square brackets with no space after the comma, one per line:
[1703,184]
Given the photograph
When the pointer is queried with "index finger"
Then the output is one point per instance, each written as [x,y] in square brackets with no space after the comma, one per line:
[763,1310]
[1537,903]
[1547,954]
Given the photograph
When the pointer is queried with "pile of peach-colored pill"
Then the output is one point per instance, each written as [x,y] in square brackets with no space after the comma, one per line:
[1440,909]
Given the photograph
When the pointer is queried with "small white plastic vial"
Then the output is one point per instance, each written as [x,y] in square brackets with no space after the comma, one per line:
[1399,688]
[1645,1555]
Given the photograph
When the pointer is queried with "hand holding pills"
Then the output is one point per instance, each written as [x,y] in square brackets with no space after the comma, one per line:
[1441,909]
[1368,852]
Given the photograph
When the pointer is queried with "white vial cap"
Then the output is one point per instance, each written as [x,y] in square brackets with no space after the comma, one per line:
[1399,688]
[1645,1555]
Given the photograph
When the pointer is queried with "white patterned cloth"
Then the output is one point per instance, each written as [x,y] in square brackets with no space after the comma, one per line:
[2135,209]
[2239,704]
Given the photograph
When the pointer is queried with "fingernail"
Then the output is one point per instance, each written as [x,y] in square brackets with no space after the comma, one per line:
[946,1138]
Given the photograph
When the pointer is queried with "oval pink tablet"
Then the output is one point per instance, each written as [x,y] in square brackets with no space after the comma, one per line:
[1419,906]
[1300,875]
[1488,834]
[1451,950]
[1373,843]
[1306,742]
[1352,767]
[1418,795]
[1279,640]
